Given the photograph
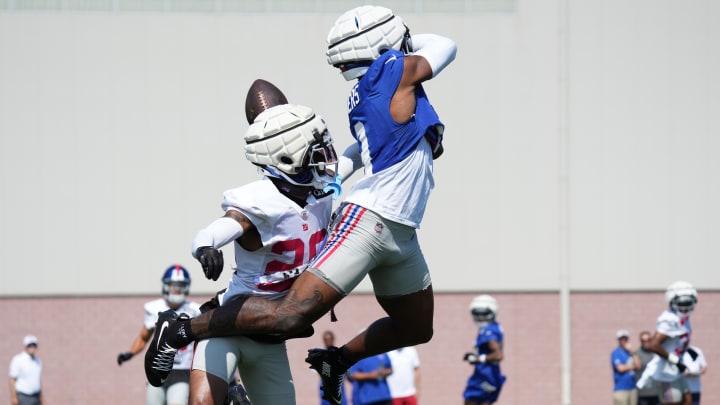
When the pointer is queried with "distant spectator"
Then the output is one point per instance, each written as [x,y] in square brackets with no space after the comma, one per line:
[624,363]
[646,395]
[369,380]
[25,375]
[696,367]
[405,379]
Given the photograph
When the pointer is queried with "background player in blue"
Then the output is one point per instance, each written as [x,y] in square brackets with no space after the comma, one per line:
[369,378]
[484,385]
[398,135]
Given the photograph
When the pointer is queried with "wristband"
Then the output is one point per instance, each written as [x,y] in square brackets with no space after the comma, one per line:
[673,358]
[482,358]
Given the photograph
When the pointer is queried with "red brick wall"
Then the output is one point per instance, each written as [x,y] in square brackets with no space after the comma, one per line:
[81,337]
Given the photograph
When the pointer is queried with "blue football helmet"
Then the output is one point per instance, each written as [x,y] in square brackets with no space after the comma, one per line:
[176,284]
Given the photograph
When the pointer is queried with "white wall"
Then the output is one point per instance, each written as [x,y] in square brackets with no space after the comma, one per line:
[119,132]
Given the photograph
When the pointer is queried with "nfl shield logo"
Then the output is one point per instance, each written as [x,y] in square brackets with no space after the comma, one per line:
[378,227]
[304,215]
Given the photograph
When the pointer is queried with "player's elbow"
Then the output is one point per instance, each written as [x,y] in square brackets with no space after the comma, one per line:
[291,325]
[499,356]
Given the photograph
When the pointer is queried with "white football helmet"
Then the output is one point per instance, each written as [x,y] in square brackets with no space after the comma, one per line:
[681,296]
[362,34]
[176,284]
[291,142]
[483,308]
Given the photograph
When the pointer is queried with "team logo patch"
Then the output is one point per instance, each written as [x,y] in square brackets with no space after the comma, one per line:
[379,227]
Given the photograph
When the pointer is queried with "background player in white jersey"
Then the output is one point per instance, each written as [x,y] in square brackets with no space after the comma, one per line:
[276,225]
[670,342]
[485,383]
[397,135]
[175,289]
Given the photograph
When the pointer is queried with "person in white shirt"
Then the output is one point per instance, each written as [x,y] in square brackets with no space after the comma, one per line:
[25,375]
[696,367]
[405,379]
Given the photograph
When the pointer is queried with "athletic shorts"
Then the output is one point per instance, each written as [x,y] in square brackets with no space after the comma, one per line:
[673,391]
[363,243]
[264,368]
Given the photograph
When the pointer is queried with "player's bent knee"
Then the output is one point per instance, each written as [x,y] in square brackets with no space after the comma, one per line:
[424,335]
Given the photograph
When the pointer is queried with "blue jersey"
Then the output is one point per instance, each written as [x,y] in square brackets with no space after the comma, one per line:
[396,157]
[369,391]
[383,141]
[624,381]
[485,383]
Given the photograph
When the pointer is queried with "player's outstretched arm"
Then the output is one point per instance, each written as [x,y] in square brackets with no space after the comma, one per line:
[207,242]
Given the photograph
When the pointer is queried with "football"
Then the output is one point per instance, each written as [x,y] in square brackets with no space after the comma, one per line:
[261,96]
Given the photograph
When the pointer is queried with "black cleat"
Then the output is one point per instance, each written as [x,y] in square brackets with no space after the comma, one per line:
[160,355]
[332,372]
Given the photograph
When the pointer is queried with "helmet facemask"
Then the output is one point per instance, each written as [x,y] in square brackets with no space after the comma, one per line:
[322,160]
[175,292]
[482,316]
[407,47]
[683,304]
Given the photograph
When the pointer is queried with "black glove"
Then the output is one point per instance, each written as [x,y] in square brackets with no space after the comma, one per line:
[123,357]
[693,354]
[681,366]
[470,357]
[211,261]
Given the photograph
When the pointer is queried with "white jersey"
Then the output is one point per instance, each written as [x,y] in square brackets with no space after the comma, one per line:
[677,328]
[291,235]
[183,358]
[402,380]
